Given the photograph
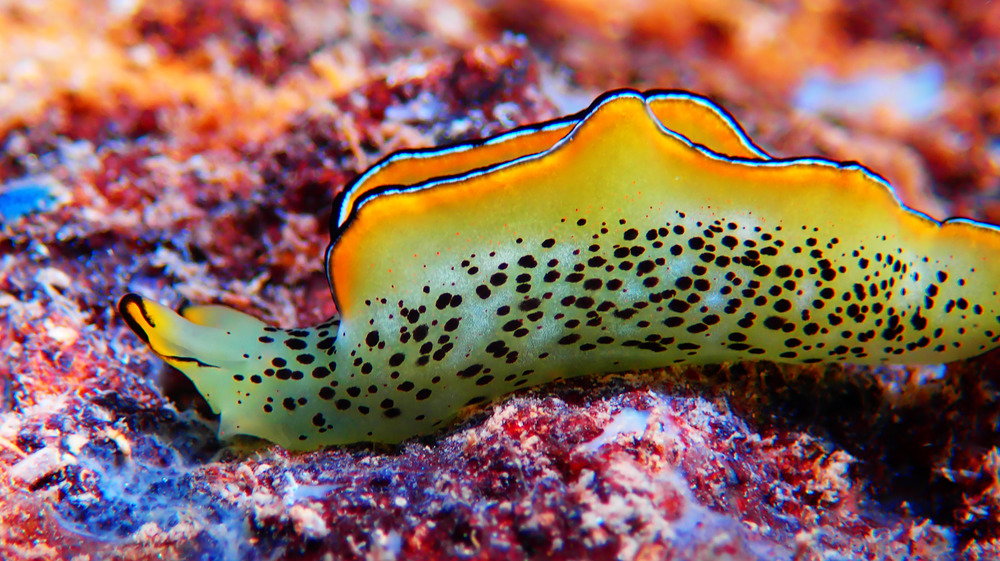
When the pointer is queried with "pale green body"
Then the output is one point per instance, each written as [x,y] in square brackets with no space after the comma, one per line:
[462,292]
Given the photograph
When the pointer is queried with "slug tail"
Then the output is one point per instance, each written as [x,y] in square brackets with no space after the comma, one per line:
[172,336]
[272,383]
[203,342]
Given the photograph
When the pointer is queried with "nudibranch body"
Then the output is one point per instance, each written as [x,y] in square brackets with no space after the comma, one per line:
[645,232]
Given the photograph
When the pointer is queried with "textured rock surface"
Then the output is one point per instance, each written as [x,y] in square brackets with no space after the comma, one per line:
[189,150]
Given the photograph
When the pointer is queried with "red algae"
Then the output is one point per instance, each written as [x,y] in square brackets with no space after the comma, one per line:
[196,148]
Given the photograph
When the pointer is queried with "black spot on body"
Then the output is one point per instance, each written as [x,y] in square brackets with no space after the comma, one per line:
[420,333]
[774,322]
[295,344]
[678,306]
[466,373]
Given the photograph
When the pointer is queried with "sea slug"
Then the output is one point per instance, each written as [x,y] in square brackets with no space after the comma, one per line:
[646,231]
